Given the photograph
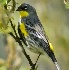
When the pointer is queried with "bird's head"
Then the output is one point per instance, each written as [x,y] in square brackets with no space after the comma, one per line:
[25,10]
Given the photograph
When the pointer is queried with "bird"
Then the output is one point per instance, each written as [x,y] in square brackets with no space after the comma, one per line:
[32,33]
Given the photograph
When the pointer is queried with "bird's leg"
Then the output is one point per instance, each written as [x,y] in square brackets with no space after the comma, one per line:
[34,65]
[37,58]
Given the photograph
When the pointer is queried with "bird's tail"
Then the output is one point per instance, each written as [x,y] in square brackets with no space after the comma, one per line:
[57,65]
[50,53]
[52,56]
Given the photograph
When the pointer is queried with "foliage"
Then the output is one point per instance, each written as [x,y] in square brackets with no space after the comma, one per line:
[66,2]
[16,37]
[6,15]
[5,26]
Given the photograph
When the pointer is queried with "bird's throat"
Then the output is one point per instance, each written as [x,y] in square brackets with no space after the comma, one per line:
[23,14]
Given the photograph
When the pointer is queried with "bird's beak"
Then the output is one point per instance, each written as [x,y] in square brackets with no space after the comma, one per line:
[17,9]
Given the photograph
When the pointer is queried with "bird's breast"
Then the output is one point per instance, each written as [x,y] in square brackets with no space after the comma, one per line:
[23,29]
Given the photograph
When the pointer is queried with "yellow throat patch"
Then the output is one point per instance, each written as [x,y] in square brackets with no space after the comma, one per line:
[23,14]
[23,29]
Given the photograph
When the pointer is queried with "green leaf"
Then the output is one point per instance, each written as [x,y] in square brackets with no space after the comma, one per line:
[8,1]
[2,2]
[3,68]
[67,6]
[66,2]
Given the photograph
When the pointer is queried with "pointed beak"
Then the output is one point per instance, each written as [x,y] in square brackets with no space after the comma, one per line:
[17,9]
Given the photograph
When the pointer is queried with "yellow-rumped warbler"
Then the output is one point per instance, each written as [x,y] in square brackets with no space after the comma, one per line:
[33,32]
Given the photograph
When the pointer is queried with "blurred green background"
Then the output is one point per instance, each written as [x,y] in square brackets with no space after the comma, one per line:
[55,20]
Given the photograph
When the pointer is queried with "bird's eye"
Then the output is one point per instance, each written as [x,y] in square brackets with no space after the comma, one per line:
[25,7]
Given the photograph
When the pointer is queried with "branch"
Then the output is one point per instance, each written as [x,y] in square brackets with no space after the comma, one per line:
[18,39]
[37,58]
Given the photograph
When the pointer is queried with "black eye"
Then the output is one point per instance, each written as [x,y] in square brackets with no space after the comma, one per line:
[25,7]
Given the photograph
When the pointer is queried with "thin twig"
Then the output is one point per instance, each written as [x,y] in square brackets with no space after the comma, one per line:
[37,58]
[18,39]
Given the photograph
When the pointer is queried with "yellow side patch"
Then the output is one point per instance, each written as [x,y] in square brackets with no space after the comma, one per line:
[51,47]
[23,14]
[23,30]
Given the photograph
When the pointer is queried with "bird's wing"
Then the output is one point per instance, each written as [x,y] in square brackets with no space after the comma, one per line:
[37,36]
[37,31]
[40,32]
